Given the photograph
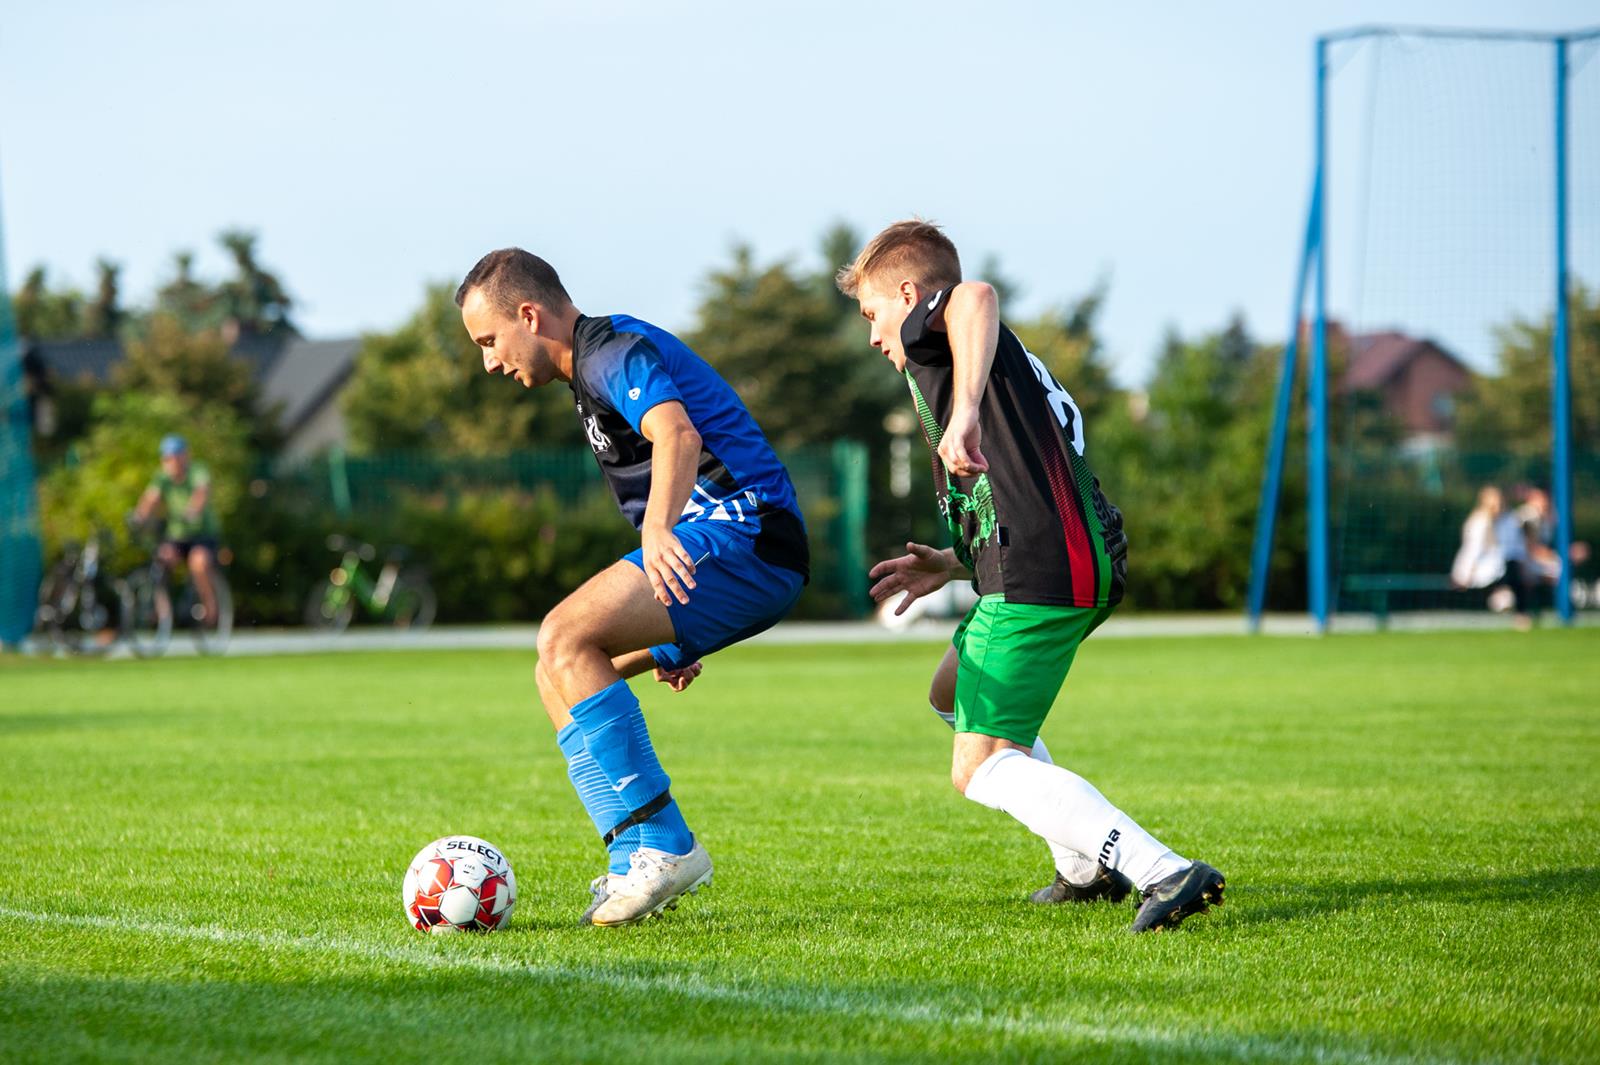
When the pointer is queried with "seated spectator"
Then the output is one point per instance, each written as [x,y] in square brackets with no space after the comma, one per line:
[1480,562]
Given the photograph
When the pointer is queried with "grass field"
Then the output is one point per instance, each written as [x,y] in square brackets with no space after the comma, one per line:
[206,860]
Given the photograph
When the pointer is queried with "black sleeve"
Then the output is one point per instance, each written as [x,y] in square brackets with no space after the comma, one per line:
[918,334]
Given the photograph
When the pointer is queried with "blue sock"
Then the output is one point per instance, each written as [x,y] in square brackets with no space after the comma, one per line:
[619,743]
[605,806]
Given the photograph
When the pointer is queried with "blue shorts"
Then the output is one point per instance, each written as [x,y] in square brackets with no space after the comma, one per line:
[735,596]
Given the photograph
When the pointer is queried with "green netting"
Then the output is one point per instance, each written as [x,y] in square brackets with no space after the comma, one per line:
[1401,523]
[1441,237]
[19,512]
[419,498]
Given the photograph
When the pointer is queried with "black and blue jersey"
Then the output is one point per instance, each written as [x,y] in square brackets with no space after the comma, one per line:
[621,367]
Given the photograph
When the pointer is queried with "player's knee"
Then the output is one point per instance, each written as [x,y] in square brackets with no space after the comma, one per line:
[559,642]
[551,642]
[961,773]
[200,560]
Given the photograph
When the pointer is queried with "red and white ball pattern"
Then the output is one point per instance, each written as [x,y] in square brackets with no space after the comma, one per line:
[459,884]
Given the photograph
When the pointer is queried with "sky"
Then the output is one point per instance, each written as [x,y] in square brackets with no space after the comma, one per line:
[378,147]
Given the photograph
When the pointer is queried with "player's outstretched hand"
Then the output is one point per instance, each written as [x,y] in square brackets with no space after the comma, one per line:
[679,679]
[668,565]
[921,571]
[960,450]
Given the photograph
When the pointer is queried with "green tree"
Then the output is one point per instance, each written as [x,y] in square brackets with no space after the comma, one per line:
[253,298]
[423,387]
[782,339]
[187,299]
[796,351]
[194,367]
[1509,410]
[1187,475]
[44,313]
[103,317]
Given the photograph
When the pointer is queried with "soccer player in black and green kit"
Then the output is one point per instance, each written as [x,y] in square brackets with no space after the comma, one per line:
[1045,550]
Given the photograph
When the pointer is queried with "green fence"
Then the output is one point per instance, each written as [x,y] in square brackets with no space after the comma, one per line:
[504,537]
[1397,521]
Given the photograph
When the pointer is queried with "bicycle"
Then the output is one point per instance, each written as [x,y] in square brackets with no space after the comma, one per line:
[403,597]
[149,611]
[78,602]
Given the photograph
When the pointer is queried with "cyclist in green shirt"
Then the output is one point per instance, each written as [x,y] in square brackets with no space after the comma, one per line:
[182,489]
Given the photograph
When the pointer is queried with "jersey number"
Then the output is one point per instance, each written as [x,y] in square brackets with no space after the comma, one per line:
[1066,411]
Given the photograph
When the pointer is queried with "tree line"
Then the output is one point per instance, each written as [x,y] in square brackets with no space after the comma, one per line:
[1182,456]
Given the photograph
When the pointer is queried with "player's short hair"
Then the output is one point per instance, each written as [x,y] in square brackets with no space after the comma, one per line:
[511,277]
[915,249]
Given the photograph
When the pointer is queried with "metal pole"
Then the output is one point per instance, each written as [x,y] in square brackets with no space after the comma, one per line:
[339,481]
[1560,383]
[1317,563]
[1267,509]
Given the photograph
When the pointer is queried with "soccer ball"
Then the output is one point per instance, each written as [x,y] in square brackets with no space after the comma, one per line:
[459,884]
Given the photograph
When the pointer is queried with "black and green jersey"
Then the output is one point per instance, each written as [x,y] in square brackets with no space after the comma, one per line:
[1036,528]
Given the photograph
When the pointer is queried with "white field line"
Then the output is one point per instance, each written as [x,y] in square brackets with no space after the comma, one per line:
[797,1000]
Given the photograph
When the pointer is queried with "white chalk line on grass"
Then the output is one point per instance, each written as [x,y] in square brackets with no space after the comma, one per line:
[808,1000]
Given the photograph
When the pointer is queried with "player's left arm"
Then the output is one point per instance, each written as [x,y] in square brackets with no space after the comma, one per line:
[199,497]
[636,662]
[674,465]
[972,322]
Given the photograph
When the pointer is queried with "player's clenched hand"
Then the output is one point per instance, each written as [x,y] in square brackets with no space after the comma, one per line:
[679,679]
[960,449]
[668,565]
[922,571]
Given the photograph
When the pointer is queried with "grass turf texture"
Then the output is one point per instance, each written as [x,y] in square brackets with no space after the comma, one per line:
[205,861]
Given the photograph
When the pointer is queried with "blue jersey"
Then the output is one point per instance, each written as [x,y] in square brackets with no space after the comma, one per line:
[621,367]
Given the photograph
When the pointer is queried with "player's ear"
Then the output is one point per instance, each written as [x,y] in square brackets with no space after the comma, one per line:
[528,315]
[910,295]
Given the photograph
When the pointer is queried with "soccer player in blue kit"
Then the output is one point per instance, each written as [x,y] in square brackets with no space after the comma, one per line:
[722,556]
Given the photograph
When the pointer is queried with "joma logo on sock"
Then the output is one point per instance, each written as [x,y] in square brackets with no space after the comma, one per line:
[1105,848]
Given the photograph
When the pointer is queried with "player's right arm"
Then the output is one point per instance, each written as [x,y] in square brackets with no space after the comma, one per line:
[921,571]
[147,503]
[972,323]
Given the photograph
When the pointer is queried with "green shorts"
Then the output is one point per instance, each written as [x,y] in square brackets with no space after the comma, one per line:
[1013,659]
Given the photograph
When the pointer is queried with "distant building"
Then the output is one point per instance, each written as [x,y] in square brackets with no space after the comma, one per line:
[1417,380]
[307,378]
[299,378]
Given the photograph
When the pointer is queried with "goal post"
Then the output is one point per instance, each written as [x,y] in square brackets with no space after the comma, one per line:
[1455,201]
[19,509]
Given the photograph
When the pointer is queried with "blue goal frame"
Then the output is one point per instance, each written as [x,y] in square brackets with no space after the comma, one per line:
[1313,262]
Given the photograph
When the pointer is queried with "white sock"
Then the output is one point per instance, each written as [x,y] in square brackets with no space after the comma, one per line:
[1067,810]
[1074,867]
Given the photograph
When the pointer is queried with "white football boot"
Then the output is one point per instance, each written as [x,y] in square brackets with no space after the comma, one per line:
[656,881]
[600,887]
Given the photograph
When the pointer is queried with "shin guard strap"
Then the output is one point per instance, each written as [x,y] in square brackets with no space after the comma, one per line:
[639,816]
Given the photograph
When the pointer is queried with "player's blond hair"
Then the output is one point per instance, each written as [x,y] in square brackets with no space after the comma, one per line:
[915,250]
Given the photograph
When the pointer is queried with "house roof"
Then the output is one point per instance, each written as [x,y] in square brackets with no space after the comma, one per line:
[1376,358]
[74,359]
[301,375]
[306,375]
